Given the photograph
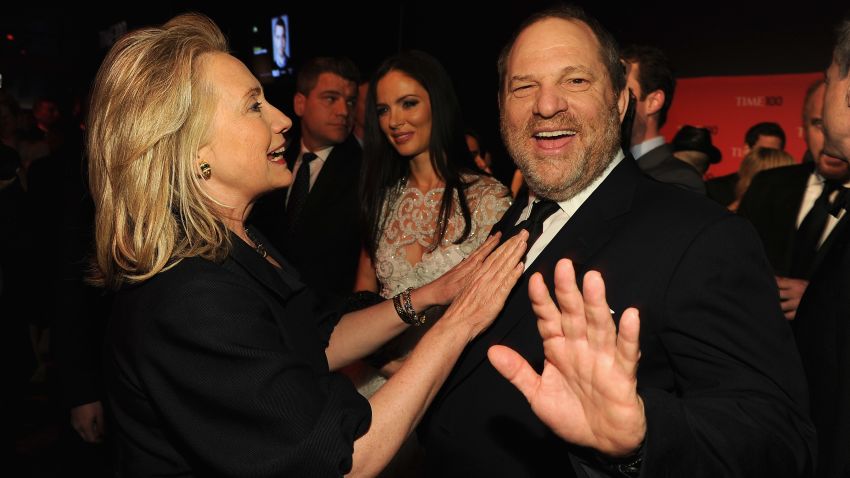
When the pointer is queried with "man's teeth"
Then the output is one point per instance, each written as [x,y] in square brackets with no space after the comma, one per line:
[278,153]
[555,134]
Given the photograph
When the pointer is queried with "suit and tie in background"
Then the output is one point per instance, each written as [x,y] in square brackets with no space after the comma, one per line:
[315,222]
[322,238]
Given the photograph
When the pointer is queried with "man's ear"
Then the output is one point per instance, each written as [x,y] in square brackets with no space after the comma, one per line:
[299,103]
[623,102]
[654,101]
[847,94]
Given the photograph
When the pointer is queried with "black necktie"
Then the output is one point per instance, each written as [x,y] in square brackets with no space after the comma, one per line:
[841,201]
[300,189]
[534,223]
[811,229]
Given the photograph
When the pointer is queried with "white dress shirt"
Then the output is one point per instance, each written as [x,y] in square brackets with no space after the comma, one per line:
[553,224]
[315,165]
[814,188]
[641,149]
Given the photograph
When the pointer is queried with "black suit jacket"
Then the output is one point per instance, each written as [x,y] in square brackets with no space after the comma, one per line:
[823,336]
[719,375]
[659,163]
[325,245]
[772,204]
[722,189]
[220,370]
[77,332]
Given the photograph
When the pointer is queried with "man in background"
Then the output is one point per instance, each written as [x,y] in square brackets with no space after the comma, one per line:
[651,80]
[823,319]
[693,146]
[786,208]
[761,135]
[314,222]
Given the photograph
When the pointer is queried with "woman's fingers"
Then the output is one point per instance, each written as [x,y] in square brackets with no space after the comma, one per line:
[506,255]
[483,251]
[484,295]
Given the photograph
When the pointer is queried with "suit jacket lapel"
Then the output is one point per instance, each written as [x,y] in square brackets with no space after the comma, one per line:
[247,260]
[590,228]
[786,205]
[325,183]
[830,242]
[317,192]
[792,191]
[509,218]
[333,174]
[596,221]
[654,157]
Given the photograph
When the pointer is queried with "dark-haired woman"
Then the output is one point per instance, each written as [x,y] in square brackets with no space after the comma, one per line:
[426,205]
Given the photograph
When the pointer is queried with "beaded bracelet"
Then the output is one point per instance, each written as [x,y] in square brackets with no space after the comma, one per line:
[404,309]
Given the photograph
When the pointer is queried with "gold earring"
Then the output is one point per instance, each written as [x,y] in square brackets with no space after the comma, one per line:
[206,169]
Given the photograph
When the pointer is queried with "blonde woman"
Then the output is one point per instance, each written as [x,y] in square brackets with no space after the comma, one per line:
[753,163]
[217,364]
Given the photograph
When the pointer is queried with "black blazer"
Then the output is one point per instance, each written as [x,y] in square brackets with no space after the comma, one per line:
[719,375]
[822,329]
[659,163]
[219,370]
[325,245]
[722,189]
[772,204]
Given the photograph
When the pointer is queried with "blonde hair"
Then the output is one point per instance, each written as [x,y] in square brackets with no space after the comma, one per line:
[756,161]
[150,112]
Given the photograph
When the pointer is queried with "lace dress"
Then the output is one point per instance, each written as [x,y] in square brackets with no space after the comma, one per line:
[413,219]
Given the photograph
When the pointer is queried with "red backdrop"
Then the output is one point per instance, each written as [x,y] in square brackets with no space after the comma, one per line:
[729,105]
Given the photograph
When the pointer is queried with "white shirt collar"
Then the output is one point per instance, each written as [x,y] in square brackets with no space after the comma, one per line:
[320,153]
[641,149]
[571,205]
[553,224]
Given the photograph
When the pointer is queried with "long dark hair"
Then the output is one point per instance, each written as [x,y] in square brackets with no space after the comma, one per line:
[383,167]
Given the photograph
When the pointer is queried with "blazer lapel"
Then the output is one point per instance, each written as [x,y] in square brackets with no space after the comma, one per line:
[830,242]
[654,157]
[324,185]
[590,228]
[595,222]
[792,190]
[509,218]
[328,185]
[786,205]
[249,261]
[317,192]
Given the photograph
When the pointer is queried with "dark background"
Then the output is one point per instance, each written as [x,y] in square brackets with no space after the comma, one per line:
[56,50]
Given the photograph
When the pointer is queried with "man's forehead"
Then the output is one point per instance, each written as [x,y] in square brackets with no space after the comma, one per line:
[814,105]
[834,69]
[554,37]
[331,82]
